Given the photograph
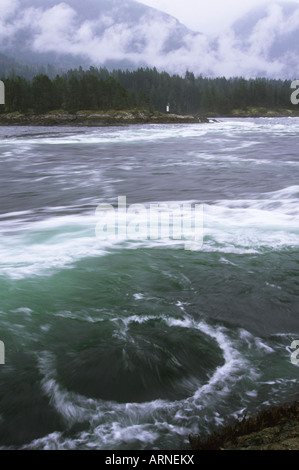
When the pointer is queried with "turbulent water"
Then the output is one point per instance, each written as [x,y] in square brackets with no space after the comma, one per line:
[136,342]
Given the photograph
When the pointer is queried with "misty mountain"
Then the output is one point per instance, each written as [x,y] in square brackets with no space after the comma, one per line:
[120,33]
[127,34]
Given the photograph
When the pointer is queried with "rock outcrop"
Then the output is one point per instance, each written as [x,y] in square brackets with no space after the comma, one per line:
[96,118]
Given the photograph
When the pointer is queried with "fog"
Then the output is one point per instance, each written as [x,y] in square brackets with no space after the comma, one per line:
[154,39]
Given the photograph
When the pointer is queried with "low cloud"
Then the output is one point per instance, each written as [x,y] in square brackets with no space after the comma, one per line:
[154,40]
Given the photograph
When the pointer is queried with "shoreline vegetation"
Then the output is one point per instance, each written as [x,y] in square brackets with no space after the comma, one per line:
[139,96]
[134,116]
[273,428]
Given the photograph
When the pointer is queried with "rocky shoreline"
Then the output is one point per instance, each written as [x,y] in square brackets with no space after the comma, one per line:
[89,118]
[275,428]
[258,112]
[110,118]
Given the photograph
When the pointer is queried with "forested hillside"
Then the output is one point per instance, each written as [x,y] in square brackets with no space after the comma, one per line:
[99,89]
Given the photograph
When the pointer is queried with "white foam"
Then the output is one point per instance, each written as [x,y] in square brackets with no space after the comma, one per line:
[74,407]
[225,129]
[53,441]
[114,135]
[254,342]
[229,226]
[112,425]
[272,222]
[138,296]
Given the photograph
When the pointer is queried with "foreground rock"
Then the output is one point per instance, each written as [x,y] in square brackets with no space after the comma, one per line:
[276,428]
[89,118]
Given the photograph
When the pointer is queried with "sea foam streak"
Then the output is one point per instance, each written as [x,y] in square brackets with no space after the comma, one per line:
[230,226]
[225,128]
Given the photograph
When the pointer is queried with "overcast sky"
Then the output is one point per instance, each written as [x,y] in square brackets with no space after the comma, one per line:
[207,16]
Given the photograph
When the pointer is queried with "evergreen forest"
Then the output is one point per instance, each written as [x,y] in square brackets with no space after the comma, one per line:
[144,88]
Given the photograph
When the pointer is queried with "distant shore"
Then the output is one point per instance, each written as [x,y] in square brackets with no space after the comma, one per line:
[97,118]
[110,118]
[261,112]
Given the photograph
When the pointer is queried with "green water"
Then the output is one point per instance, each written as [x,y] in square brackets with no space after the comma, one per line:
[135,343]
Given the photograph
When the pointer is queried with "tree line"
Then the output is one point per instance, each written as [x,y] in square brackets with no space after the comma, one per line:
[146,88]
